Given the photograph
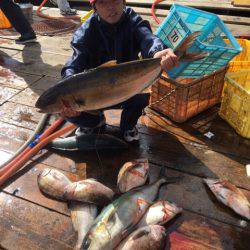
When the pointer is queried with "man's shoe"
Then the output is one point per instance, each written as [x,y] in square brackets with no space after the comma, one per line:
[131,135]
[24,39]
[68,12]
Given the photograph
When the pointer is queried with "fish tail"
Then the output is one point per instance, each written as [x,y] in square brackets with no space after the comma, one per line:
[167,179]
[69,143]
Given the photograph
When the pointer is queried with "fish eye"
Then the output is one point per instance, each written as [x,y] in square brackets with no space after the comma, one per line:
[86,244]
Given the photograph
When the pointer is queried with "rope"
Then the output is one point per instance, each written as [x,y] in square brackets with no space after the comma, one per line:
[162,98]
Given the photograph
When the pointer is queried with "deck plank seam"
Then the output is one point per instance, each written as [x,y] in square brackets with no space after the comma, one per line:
[195,143]
[158,164]
[34,203]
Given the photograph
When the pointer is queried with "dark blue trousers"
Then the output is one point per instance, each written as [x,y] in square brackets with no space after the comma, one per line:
[131,112]
[16,17]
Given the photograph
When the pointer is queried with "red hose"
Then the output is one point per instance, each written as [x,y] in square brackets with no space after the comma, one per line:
[38,12]
[15,167]
[47,132]
[153,10]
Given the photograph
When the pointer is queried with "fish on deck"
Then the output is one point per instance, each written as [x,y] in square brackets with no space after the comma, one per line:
[57,185]
[132,174]
[230,195]
[118,219]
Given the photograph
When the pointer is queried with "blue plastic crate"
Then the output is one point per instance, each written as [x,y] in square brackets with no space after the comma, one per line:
[183,21]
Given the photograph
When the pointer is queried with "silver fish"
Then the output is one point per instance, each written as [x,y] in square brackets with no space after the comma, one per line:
[119,218]
[159,213]
[83,216]
[132,174]
[53,182]
[230,195]
[57,185]
[88,190]
[146,238]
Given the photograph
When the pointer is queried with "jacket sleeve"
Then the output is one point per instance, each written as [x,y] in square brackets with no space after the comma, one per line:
[79,60]
[148,42]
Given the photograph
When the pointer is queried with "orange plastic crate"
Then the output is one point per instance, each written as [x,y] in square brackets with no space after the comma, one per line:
[191,96]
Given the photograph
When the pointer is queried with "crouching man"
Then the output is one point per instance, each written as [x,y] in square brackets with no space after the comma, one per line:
[113,32]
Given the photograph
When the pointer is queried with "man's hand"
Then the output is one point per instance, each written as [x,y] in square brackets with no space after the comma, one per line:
[68,112]
[168,59]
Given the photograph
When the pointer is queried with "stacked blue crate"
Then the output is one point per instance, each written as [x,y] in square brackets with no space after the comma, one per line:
[183,21]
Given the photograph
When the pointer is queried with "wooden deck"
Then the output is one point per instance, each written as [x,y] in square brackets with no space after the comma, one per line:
[29,220]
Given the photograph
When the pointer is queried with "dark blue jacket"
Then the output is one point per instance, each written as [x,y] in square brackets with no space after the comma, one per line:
[97,42]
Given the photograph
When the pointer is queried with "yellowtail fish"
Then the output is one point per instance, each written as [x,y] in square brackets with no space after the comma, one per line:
[102,87]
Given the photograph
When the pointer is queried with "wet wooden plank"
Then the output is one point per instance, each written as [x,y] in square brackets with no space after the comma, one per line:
[193,130]
[24,185]
[55,45]
[5,43]
[165,149]
[224,140]
[38,62]
[169,149]
[27,97]
[8,61]
[192,194]
[6,93]
[4,52]
[45,83]
[13,137]
[17,80]
[192,231]
[19,115]
[32,226]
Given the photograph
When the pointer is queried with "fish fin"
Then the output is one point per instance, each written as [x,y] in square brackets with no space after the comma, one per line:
[126,166]
[162,174]
[187,42]
[141,203]
[73,213]
[108,64]
[190,57]
[128,230]
[231,187]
